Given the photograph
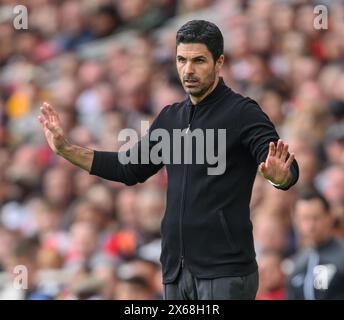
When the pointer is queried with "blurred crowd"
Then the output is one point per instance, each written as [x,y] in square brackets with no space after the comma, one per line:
[106,65]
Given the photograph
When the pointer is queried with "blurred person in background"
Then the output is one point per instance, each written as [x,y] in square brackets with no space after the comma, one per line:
[57,187]
[24,254]
[135,281]
[132,288]
[106,274]
[330,182]
[73,24]
[270,233]
[83,252]
[317,271]
[271,276]
[150,207]
[334,144]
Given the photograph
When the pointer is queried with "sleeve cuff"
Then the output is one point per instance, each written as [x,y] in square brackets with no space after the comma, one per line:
[95,162]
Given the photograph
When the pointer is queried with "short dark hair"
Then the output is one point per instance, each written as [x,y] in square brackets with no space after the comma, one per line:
[201,31]
[312,194]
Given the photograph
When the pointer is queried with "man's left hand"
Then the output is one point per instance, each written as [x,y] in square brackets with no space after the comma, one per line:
[276,167]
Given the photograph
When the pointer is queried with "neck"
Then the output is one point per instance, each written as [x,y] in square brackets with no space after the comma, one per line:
[196,100]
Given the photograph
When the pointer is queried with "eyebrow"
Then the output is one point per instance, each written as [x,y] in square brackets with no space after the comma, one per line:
[194,58]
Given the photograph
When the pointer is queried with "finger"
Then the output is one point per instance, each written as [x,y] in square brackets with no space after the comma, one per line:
[284,152]
[290,161]
[53,113]
[272,149]
[41,120]
[279,148]
[44,112]
[49,111]
[50,127]
[44,123]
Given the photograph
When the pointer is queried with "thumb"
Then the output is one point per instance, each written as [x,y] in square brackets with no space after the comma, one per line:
[262,167]
[48,125]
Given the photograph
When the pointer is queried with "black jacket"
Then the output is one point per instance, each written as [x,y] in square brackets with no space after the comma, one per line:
[207,223]
[327,282]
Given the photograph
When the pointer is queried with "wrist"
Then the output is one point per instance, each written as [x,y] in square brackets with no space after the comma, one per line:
[284,183]
[64,149]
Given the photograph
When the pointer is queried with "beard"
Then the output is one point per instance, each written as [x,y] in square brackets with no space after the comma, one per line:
[202,88]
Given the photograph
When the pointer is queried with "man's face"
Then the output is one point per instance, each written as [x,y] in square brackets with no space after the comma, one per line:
[196,68]
[313,223]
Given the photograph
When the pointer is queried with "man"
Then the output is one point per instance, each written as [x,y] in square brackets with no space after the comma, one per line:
[318,268]
[271,277]
[207,243]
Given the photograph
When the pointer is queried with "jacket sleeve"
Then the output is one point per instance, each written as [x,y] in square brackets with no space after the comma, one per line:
[256,132]
[108,165]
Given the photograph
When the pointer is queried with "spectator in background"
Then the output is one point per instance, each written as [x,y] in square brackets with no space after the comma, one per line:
[271,277]
[136,281]
[334,144]
[24,254]
[270,234]
[318,267]
[132,288]
[331,183]
[105,21]
[73,26]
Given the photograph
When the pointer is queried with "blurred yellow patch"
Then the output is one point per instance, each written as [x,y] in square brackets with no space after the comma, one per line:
[18,105]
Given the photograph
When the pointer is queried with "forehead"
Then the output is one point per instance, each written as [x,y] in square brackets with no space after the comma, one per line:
[309,207]
[193,50]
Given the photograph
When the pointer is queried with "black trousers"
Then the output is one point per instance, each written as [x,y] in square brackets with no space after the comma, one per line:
[188,287]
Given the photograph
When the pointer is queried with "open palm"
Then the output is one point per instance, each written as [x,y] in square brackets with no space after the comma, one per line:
[52,127]
[276,166]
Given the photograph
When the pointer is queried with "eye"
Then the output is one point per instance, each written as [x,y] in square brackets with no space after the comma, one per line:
[199,60]
[181,59]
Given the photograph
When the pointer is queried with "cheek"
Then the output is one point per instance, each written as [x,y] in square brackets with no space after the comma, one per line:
[180,70]
[305,226]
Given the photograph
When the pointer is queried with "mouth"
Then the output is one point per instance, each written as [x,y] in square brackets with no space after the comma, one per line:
[190,82]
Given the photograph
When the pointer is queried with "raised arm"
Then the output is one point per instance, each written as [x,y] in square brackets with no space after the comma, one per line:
[57,140]
[103,164]
[259,135]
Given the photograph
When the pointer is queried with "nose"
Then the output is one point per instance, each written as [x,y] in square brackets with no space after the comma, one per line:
[189,69]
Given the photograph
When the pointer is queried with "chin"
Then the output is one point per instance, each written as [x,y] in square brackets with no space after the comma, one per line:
[193,92]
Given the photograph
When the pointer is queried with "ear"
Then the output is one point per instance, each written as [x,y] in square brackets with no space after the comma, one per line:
[219,62]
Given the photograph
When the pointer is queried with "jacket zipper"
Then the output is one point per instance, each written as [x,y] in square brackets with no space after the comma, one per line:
[183,194]
[190,120]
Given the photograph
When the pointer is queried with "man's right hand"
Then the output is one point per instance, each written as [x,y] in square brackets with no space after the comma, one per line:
[52,128]
[81,157]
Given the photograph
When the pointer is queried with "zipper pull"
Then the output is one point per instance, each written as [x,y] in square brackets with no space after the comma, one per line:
[187,129]
[182,262]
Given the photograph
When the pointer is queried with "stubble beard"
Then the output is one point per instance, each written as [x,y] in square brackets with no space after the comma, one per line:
[201,91]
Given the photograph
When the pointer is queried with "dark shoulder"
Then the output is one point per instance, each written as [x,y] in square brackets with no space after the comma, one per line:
[166,115]
[241,101]
[167,110]
[174,107]
[336,248]
[244,106]
[338,242]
